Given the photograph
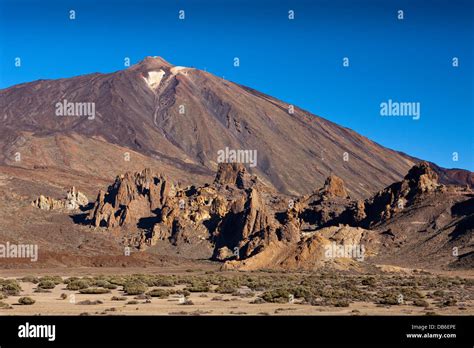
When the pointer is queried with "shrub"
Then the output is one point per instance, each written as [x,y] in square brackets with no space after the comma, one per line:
[225,288]
[10,287]
[198,288]
[449,302]
[421,303]
[78,284]
[69,280]
[411,294]
[142,297]
[94,291]
[167,281]
[46,284]
[258,300]
[184,292]
[89,302]
[110,286]
[134,288]
[26,301]
[41,290]
[30,279]
[4,305]
[370,281]
[340,303]
[280,295]
[102,283]
[118,298]
[159,293]
[55,279]
[390,299]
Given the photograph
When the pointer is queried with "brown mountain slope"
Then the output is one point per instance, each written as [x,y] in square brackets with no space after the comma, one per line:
[181,117]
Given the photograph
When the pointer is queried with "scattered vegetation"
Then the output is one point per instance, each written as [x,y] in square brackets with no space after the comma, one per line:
[323,288]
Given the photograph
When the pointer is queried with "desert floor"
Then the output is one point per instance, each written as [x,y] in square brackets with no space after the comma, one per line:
[239,301]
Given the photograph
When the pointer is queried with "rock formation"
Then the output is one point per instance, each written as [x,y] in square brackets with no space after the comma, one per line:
[239,220]
[133,196]
[420,181]
[74,200]
[334,187]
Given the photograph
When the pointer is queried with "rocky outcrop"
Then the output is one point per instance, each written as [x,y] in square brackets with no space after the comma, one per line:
[133,196]
[341,247]
[319,209]
[420,181]
[246,228]
[234,174]
[334,187]
[74,200]
[48,203]
[240,221]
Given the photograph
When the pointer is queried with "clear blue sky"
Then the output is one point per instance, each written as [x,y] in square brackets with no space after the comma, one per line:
[298,61]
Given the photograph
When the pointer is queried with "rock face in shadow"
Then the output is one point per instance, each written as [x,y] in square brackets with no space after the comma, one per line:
[247,227]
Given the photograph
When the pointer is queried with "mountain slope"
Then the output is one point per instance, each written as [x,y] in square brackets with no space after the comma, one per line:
[182,117]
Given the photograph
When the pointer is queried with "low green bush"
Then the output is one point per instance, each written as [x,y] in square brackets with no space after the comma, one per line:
[46,284]
[26,301]
[159,293]
[134,288]
[78,284]
[94,291]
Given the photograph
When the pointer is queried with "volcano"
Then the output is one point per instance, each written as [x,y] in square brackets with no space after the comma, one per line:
[179,120]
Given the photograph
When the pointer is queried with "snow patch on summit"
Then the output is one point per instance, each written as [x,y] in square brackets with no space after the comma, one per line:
[176,69]
[154,78]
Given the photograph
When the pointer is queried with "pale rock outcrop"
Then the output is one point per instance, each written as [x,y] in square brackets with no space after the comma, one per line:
[74,200]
